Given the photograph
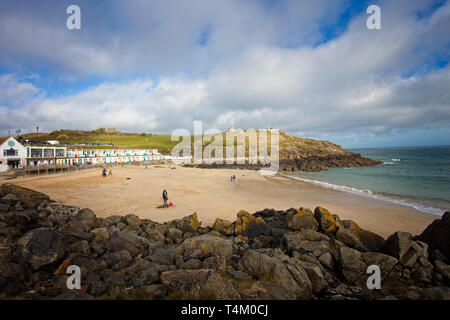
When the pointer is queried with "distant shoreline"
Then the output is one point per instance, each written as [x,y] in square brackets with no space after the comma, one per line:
[438,212]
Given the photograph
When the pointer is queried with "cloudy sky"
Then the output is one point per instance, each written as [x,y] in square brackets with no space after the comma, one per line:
[311,68]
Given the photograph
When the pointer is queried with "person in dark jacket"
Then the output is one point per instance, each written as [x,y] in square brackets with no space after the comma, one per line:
[165,197]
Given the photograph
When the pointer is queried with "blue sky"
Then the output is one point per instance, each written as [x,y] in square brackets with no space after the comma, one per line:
[311,68]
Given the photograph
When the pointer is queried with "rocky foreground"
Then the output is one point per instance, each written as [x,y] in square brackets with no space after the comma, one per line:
[292,254]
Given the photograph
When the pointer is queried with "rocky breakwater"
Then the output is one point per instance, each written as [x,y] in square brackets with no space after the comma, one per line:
[291,254]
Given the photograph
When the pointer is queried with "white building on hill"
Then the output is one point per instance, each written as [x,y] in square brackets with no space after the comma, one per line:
[12,153]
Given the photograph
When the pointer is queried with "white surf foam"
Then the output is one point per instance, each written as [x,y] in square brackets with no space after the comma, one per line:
[369,193]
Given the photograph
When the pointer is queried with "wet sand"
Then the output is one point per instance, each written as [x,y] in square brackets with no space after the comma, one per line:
[210,193]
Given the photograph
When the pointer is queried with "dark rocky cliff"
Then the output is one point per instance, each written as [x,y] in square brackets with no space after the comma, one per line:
[272,254]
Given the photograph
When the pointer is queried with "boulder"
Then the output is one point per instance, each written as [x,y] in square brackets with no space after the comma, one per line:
[326,259]
[132,219]
[192,264]
[189,223]
[302,219]
[4,251]
[370,240]
[202,282]
[401,246]
[13,278]
[223,226]
[208,246]
[100,234]
[174,234]
[40,247]
[437,235]
[86,213]
[249,226]
[123,241]
[263,267]
[9,232]
[384,261]
[28,197]
[315,275]
[307,241]
[155,235]
[352,265]
[326,220]
[349,239]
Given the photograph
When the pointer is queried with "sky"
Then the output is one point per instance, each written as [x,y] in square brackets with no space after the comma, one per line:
[311,68]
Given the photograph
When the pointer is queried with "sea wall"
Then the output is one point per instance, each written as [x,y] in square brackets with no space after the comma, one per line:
[271,254]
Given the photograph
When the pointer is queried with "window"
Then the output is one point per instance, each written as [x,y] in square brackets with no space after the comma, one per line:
[36,153]
[10,152]
[60,152]
[49,153]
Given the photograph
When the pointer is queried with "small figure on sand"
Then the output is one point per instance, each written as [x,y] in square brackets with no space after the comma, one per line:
[234,178]
[165,197]
[104,172]
[231,179]
[110,172]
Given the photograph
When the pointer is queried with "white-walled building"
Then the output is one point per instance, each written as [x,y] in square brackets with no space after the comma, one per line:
[12,153]
[46,155]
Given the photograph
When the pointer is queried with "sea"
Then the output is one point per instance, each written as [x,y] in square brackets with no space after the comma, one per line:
[418,177]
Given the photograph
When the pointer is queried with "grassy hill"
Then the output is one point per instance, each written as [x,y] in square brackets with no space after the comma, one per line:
[288,144]
[119,139]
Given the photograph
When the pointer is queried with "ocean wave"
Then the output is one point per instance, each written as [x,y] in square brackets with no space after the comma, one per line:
[387,162]
[396,160]
[369,193]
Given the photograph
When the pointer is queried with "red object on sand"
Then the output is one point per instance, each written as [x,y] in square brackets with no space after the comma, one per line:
[171,204]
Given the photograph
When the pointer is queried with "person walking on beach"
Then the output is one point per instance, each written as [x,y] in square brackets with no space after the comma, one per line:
[234,178]
[165,197]
[110,172]
[104,173]
[231,179]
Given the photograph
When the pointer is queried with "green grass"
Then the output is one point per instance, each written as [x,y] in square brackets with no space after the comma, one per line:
[161,142]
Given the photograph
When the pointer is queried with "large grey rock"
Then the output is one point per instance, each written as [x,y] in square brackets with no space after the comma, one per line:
[401,246]
[349,239]
[384,261]
[124,241]
[199,282]
[437,235]
[208,245]
[39,248]
[315,275]
[262,266]
[370,240]
[302,219]
[13,278]
[307,241]
[326,221]
[352,265]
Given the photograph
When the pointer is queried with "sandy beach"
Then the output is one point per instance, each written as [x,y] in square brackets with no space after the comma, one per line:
[210,193]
